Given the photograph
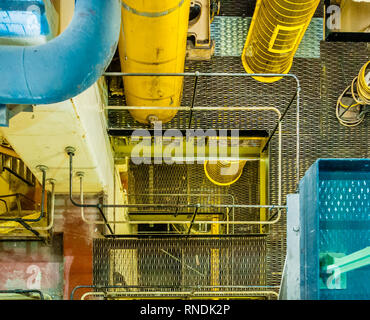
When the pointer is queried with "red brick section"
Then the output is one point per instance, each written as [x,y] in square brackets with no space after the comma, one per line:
[77,247]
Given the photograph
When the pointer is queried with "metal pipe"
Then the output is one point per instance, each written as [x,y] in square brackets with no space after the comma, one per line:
[193,218]
[52,209]
[149,235]
[196,73]
[51,223]
[204,221]
[68,64]
[20,291]
[183,294]
[277,125]
[70,151]
[18,176]
[163,287]
[193,99]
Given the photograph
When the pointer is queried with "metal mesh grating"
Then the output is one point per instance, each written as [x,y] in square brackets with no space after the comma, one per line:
[246,8]
[191,180]
[170,265]
[231,32]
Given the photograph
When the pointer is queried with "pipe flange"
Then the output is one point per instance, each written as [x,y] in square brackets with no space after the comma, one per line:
[51,181]
[42,168]
[70,150]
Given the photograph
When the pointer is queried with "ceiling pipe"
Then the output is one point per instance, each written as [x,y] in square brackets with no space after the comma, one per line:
[67,65]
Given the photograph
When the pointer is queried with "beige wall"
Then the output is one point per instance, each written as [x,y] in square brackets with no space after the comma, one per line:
[355,16]
[65,9]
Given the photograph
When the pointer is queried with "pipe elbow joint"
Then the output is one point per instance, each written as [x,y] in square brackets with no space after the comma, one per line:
[67,65]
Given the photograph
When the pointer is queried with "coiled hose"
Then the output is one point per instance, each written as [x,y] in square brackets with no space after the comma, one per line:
[359,92]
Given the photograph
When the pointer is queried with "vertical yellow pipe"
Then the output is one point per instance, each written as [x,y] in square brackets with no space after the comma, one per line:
[276,31]
[153,40]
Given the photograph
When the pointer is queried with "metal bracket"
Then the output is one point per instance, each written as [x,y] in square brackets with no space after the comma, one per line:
[9,111]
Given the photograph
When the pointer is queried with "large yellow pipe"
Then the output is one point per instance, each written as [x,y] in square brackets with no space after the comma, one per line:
[276,30]
[153,39]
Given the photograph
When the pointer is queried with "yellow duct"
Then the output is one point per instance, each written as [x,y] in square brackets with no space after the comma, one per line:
[153,40]
[224,173]
[276,31]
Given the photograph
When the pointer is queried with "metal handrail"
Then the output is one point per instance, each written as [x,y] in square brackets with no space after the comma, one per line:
[183,294]
[71,152]
[197,74]
[97,287]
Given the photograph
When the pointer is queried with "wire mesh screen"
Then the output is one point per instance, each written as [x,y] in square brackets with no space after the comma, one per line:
[176,264]
[188,184]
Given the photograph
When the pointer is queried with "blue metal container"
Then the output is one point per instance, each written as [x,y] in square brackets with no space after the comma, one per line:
[334,222]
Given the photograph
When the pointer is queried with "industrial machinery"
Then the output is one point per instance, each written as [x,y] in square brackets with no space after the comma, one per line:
[141,159]
[200,46]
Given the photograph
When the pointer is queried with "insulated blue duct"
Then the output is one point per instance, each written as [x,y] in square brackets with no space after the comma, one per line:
[67,65]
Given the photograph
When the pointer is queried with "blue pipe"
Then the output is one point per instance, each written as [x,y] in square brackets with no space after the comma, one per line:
[67,65]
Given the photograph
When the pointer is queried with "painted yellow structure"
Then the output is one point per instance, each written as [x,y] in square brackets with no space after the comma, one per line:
[153,40]
[276,31]
[224,173]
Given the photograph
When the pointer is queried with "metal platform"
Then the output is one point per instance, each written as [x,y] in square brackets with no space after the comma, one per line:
[322,79]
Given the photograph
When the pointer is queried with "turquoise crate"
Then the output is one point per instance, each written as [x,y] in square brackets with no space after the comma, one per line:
[334,222]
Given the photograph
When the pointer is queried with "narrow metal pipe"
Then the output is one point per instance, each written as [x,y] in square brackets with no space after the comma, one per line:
[183,294]
[204,221]
[163,287]
[27,227]
[200,74]
[70,152]
[18,176]
[20,291]
[193,99]
[279,121]
[193,218]
[149,235]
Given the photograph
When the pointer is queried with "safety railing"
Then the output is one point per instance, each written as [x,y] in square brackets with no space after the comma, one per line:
[196,75]
[187,292]
[25,222]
